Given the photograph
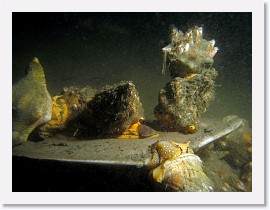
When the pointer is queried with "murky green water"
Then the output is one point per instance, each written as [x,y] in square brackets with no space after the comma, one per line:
[97,49]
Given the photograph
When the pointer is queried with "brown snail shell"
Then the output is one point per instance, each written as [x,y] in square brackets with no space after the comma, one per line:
[184,173]
[145,131]
[177,168]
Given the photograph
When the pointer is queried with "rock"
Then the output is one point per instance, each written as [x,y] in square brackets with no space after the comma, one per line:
[183,100]
[112,110]
[237,147]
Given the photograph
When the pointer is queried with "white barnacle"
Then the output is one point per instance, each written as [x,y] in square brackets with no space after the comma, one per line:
[180,49]
[65,89]
[211,45]
[213,52]
[165,50]
[212,42]
[186,47]
[191,41]
[188,34]
[174,36]
[200,30]
[180,33]
[197,34]
[168,48]
[74,107]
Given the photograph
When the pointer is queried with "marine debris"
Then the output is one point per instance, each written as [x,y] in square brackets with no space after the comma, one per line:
[31,102]
[181,102]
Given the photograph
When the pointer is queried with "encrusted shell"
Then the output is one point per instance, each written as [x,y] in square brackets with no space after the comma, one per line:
[177,168]
[184,173]
[188,53]
[167,150]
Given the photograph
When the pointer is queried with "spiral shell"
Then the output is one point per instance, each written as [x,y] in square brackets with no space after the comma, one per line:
[184,173]
[179,171]
[31,102]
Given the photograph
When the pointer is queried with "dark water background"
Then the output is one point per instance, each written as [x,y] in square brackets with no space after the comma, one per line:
[99,49]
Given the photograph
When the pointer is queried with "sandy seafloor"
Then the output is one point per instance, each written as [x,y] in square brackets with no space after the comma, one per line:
[99,49]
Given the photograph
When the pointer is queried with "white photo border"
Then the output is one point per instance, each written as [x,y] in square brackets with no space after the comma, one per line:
[257,196]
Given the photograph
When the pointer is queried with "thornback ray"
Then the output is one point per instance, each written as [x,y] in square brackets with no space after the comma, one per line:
[121,151]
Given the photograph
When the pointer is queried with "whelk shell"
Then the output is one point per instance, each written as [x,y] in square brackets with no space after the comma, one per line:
[179,168]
